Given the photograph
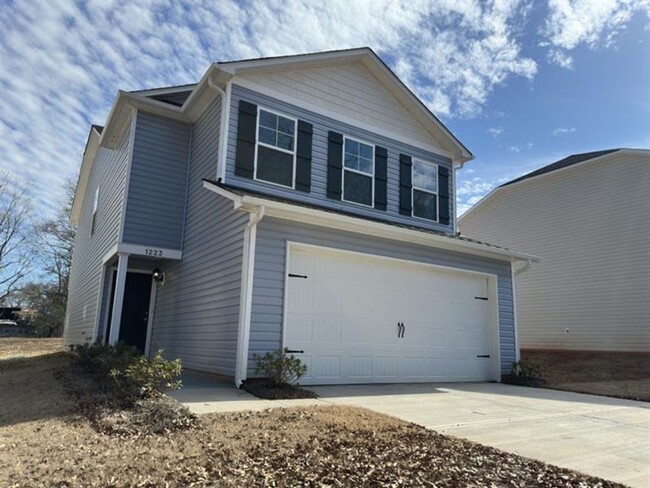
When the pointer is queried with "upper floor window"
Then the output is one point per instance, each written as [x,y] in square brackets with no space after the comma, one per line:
[358,172]
[425,190]
[275,158]
[94,216]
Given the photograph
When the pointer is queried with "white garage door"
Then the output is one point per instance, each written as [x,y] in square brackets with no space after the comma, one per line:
[345,312]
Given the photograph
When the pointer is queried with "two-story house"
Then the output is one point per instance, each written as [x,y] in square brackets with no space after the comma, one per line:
[300,201]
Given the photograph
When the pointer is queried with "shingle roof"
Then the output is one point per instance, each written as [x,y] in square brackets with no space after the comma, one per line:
[562,163]
[243,192]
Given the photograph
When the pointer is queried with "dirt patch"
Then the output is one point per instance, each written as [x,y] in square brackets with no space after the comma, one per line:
[22,347]
[268,390]
[309,447]
[615,374]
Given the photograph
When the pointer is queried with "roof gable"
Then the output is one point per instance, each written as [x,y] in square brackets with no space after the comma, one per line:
[354,82]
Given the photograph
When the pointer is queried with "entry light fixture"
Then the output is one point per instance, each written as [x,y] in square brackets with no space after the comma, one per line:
[158,276]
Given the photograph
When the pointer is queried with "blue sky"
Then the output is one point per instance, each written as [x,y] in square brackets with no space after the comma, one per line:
[521,83]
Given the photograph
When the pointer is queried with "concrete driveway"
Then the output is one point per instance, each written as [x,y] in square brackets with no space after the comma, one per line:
[600,436]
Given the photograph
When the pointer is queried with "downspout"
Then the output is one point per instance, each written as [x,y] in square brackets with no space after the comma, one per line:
[221,158]
[248,268]
[514,274]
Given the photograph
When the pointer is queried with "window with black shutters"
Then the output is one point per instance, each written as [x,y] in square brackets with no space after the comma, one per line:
[275,156]
[425,190]
[358,172]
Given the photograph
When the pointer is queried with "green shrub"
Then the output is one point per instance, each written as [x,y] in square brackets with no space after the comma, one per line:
[127,373]
[280,367]
[526,373]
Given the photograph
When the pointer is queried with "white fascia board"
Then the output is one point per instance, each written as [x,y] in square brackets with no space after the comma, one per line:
[293,60]
[367,227]
[164,91]
[84,175]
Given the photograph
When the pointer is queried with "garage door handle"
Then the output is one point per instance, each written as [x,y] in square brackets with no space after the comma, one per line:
[483,356]
[295,351]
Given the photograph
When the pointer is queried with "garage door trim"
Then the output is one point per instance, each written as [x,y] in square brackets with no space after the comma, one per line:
[492,279]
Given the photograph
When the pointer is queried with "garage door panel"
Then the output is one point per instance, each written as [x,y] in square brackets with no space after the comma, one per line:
[345,315]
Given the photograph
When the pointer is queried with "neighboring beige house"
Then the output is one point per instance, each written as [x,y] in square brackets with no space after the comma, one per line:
[588,218]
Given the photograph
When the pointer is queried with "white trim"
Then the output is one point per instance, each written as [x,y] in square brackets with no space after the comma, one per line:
[142,251]
[127,180]
[424,190]
[109,303]
[275,148]
[492,288]
[454,202]
[244,83]
[364,226]
[152,92]
[150,316]
[246,296]
[98,311]
[118,298]
[514,311]
[363,173]
[224,132]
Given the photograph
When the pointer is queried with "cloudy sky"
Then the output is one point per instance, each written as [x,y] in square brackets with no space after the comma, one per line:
[521,83]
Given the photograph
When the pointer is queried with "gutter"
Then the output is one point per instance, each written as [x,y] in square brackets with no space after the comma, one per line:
[246,294]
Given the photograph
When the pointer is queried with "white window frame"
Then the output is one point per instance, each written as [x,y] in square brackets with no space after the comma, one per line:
[93,217]
[372,176]
[424,190]
[269,146]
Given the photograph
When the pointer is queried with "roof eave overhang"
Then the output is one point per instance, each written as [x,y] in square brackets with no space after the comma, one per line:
[92,145]
[287,211]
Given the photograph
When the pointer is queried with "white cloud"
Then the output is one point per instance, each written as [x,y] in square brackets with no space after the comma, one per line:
[470,191]
[496,132]
[562,131]
[63,62]
[514,149]
[590,22]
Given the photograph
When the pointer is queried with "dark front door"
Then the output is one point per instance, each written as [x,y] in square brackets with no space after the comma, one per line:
[135,309]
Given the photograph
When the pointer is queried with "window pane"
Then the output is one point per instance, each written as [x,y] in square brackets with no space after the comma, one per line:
[285,141]
[365,165]
[365,151]
[351,161]
[268,120]
[286,125]
[351,147]
[425,205]
[357,188]
[425,176]
[274,166]
[267,136]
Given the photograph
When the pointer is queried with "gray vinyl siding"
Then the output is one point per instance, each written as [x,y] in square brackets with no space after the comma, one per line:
[109,173]
[156,196]
[268,280]
[318,194]
[197,309]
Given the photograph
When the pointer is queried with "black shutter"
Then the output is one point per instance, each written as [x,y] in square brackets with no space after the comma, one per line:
[303,156]
[334,165]
[443,195]
[405,185]
[381,177]
[246,128]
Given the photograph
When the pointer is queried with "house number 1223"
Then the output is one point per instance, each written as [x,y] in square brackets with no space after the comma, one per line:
[153,252]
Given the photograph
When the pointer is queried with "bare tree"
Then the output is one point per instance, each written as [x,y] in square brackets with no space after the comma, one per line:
[56,241]
[16,235]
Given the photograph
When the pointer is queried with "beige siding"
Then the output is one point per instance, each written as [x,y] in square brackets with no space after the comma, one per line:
[590,224]
[350,90]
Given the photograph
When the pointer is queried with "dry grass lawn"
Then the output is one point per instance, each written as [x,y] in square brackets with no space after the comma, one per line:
[44,443]
[616,374]
[15,347]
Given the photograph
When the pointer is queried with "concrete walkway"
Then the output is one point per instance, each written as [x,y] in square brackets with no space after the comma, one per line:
[601,436]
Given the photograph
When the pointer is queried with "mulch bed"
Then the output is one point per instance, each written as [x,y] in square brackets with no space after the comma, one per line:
[268,390]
